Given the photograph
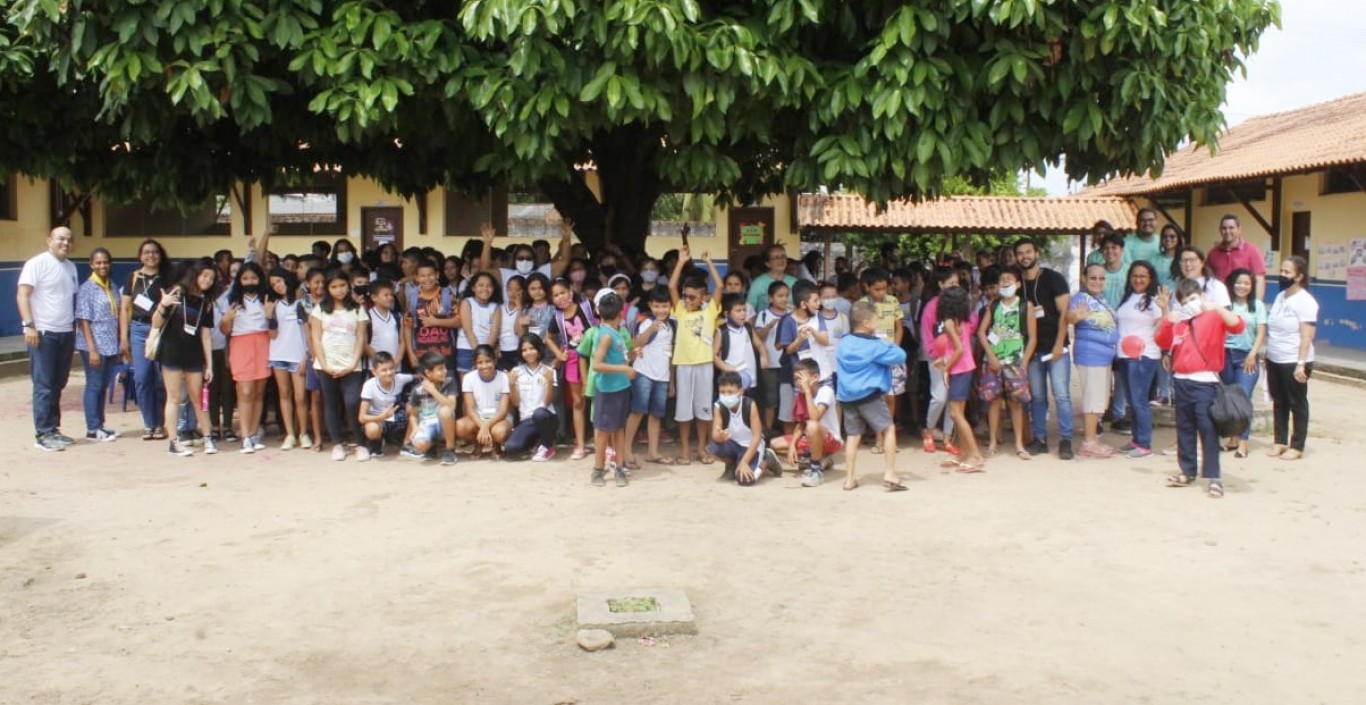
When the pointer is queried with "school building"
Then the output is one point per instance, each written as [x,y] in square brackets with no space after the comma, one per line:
[1297,182]
[332,207]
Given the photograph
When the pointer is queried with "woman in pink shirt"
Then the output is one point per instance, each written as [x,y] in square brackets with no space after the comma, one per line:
[956,364]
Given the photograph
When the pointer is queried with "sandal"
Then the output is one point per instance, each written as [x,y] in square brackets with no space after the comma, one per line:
[1182,480]
[1216,489]
[927,442]
[850,485]
[149,434]
[1240,454]
[159,433]
[578,454]
[1276,451]
[706,459]
[876,450]
[1291,454]
[1023,454]
[681,460]
[991,452]
[970,468]
[661,460]
[632,464]
[894,486]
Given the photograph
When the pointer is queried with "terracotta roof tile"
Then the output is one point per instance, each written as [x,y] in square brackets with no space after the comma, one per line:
[978,214]
[1295,141]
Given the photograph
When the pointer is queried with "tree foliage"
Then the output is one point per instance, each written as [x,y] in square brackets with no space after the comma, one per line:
[173,99]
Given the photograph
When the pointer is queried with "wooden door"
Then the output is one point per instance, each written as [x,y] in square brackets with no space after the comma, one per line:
[750,233]
[380,225]
[1299,234]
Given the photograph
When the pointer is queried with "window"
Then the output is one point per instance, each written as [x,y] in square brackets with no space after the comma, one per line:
[465,216]
[673,210]
[141,219]
[1235,193]
[1345,179]
[8,206]
[317,207]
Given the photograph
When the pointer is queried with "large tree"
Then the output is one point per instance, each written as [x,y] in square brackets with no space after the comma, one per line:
[175,99]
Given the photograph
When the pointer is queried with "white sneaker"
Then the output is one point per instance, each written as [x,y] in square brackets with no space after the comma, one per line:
[339,452]
[210,447]
[288,444]
[362,454]
[257,444]
[305,441]
[247,446]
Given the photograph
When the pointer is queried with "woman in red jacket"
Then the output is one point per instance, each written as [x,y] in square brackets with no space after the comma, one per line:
[1194,332]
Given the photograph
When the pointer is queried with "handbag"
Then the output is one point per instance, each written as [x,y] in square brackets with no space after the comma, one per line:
[153,344]
[1231,410]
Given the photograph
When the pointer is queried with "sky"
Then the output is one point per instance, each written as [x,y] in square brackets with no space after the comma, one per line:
[1318,54]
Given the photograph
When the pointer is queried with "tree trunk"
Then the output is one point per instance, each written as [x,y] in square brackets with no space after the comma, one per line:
[628,179]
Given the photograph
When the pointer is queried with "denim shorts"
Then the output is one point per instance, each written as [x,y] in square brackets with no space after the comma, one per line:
[428,431]
[290,367]
[464,360]
[648,396]
[609,410]
[960,386]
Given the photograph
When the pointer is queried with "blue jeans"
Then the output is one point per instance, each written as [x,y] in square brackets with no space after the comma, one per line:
[1136,378]
[1194,425]
[97,383]
[1056,374]
[1164,382]
[49,366]
[148,388]
[1234,374]
[1119,401]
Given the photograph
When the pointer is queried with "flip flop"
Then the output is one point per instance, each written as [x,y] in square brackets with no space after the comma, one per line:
[682,460]
[851,485]
[949,464]
[876,450]
[632,464]
[578,454]
[1023,455]
[894,486]
[706,459]
[661,460]
[1180,480]
[969,468]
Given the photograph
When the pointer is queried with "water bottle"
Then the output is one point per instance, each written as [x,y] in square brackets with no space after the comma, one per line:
[204,398]
[611,459]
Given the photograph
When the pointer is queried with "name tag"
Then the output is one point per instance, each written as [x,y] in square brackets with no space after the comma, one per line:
[143,302]
[1038,312]
[191,329]
[993,338]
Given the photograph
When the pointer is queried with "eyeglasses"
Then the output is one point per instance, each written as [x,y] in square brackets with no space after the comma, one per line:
[1190,260]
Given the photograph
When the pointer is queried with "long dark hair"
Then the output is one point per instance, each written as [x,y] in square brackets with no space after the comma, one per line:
[953,304]
[496,291]
[189,278]
[1176,262]
[236,295]
[1233,277]
[328,303]
[1148,293]
[1180,237]
[291,285]
[163,262]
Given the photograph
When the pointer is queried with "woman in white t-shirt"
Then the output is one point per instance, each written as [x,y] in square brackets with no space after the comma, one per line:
[486,400]
[1189,263]
[1139,357]
[480,320]
[337,328]
[288,348]
[1290,331]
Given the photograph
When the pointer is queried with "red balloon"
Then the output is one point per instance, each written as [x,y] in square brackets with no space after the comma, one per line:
[1132,347]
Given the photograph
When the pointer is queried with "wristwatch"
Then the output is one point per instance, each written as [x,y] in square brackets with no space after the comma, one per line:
[26,324]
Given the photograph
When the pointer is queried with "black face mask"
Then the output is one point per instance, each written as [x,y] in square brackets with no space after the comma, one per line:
[361,289]
[608,271]
[1285,282]
[251,289]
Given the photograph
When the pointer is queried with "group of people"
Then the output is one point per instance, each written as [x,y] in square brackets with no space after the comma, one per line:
[420,351]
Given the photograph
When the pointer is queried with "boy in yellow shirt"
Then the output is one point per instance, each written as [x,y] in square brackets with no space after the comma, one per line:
[696,314]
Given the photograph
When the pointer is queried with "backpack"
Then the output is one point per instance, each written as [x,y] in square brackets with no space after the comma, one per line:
[1024,324]
[445,297]
[745,405]
[588,316]
[725,341]
[1231,410]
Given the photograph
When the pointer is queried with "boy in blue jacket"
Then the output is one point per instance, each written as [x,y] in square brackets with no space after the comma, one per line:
[863,364]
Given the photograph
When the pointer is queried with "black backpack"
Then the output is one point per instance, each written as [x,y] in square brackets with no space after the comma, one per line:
[1231,410]
[745,405]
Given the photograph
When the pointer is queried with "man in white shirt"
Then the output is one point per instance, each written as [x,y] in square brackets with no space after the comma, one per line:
[47,308]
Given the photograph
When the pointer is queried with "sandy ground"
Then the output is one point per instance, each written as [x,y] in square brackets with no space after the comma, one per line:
[127,576]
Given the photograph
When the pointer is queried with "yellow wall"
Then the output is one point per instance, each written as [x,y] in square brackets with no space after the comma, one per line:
[26,236]
[20,239]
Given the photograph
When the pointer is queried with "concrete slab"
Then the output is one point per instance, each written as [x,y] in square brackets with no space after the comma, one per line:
[672,614]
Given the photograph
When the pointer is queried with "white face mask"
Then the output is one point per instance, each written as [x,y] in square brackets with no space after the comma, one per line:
[649,276]
[828,304]
[345,257]
[1192,308]
[524,266]
[730,401]
[1008,291]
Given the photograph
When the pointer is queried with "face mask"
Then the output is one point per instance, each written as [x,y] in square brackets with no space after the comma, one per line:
[649,276]
[608,270]
[524,266]
[577,276]
[730,401]
[361,289]
[828,304]
[345,257]
[1008,291]
[1192,308]
[1285,282]
[251,289]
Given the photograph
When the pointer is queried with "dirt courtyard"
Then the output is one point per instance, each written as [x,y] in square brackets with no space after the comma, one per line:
[131,577]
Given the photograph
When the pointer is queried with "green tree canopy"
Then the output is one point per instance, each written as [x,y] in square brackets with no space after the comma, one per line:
[174,99]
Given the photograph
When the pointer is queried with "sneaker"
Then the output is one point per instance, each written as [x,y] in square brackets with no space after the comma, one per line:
[210,446]
[771,463]
[1161,401]
[1096,449]
[448,458]
[927,442]
[257,444]
[305,441]
[1123,428]
[362,454]
[1037,447]
[196,438]
[231,437]
[247,447]
[1138,452]
[620,475]
[289,443]
[47,443]
[176,447]
[1064,450]
[598,478]
[64,440]
[543,454]
[803,464]
[1127,447]
[813,477]
[101,435]
[408,451]
[339,452]
[1171,450]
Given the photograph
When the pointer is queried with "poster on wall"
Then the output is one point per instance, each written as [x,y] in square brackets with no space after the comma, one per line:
[1356,272]
[1331,263]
